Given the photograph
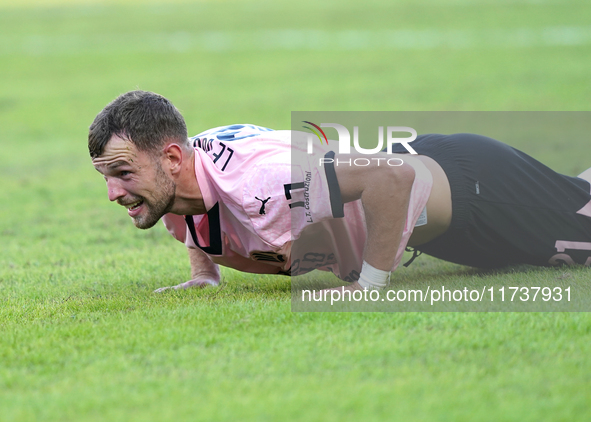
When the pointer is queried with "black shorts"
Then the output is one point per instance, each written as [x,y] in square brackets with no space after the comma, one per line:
[507,208]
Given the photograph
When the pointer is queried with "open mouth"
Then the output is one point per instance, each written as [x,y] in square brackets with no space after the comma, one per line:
[135,205]
[134,209]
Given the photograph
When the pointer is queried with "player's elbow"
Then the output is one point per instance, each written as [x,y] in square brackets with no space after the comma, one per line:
[402,176]
[376,179]
[395,183]
[389,188]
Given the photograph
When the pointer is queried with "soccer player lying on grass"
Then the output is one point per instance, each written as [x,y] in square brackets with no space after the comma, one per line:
[234,198]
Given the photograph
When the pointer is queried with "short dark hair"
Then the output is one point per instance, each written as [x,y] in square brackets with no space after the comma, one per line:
[147,119]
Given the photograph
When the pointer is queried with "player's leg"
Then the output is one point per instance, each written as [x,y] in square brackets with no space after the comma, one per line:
[508,208]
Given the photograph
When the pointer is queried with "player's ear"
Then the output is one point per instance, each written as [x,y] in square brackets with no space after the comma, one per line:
[174,157]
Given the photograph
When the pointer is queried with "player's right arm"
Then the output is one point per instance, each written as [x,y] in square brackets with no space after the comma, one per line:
[384,192]
[204,272]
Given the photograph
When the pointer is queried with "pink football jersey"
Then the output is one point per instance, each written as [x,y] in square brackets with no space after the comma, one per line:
[271,208]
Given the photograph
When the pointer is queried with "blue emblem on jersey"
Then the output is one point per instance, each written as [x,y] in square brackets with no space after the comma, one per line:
[233,132]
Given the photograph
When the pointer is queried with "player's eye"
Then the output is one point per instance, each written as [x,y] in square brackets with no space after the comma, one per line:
[124,173]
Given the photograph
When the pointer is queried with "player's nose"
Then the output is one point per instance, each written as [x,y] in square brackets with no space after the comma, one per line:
[115,190]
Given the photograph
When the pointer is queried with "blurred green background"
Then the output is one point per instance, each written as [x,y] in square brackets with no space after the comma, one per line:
[81,335]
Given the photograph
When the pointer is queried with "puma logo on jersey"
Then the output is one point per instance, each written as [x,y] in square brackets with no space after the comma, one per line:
[263,203]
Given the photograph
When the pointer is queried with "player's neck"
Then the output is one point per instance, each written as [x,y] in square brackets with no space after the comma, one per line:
[188,197]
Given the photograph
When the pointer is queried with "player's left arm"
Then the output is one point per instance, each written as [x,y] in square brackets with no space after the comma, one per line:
[204,272]
[385,194]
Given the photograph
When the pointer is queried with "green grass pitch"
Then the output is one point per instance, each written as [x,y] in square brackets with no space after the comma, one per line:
[82,338]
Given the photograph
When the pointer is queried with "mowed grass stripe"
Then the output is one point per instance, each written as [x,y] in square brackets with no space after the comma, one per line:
[295,40]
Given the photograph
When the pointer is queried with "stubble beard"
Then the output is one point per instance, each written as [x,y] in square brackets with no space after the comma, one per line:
[160,204]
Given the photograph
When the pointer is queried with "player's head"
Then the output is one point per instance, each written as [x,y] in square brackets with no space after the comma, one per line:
[146,119]
[129,141]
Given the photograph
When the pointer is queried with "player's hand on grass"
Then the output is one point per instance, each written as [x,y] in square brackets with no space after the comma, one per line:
[196,282]
[203,270]
[207,275]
